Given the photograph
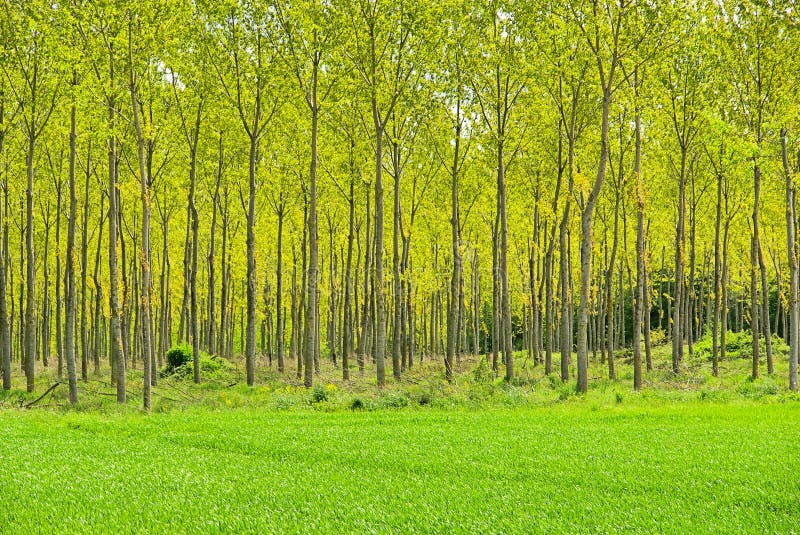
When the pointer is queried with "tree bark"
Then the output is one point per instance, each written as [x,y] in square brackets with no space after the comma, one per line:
[71,297]
[717,278]
[144,310]
[586,239]
[397,321]
[347,321]
[755,246]
[791,250]
[279,320]
[641,275]
[30,263]
[117,355]
[455,226]
[310,330]
[211,342]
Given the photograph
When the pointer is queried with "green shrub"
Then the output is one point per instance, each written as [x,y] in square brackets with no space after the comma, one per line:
[717,396]
[284,402]
[757,389]
[738,345]
[482,373]
[180,363]
[213,364]
[179,356]
[357,404]
[425,398]
[566,391]
[658,337]
[318,394]
[394,400]
[554,380]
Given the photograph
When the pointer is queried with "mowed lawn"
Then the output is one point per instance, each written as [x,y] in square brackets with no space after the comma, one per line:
[683,468]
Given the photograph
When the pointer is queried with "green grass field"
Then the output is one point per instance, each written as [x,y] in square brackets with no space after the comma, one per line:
[675,468]
[690,453]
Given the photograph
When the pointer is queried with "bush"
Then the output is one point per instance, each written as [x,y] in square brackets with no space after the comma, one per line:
[425,398]
[738,345]
[757,389]
[658,337]
[285,402]
[393,400]
[318,394]
[482,373]
[180,363]
[566,391]
[554,381]
[179,356]
[212,363]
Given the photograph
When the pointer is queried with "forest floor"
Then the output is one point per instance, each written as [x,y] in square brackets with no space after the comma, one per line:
[690,453]
[423,386]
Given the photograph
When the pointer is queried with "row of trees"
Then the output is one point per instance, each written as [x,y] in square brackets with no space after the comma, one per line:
[542,157]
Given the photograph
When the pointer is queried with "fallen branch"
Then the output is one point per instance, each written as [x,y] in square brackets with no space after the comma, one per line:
[32,403]
[97,392]
[183,393]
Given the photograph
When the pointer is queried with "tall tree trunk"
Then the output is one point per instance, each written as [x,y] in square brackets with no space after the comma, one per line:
[126,312]
[184,323]
[347,321]
[609,279]
[5,331]
[279,320]
[5,322]
[564,272]
[642,313]
[164,289]
[250,344]
[71,297]
[677,305]
[84,335]
[44,330]
[497,342]
[365,314]
[397,286]
[765,314]
[755,246]
[310,330]
[409,309]
[59,296]
[455,226]
[586,242]
[224,316]
[295,338]
[194,331]
[476,304]
[332,293]
[791,250]
[691,297]
[378,283]
[98,291]
[144,310]
[117,355]
[724,330]
[29,351]
[508,343]
[717,279]
[211,342]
